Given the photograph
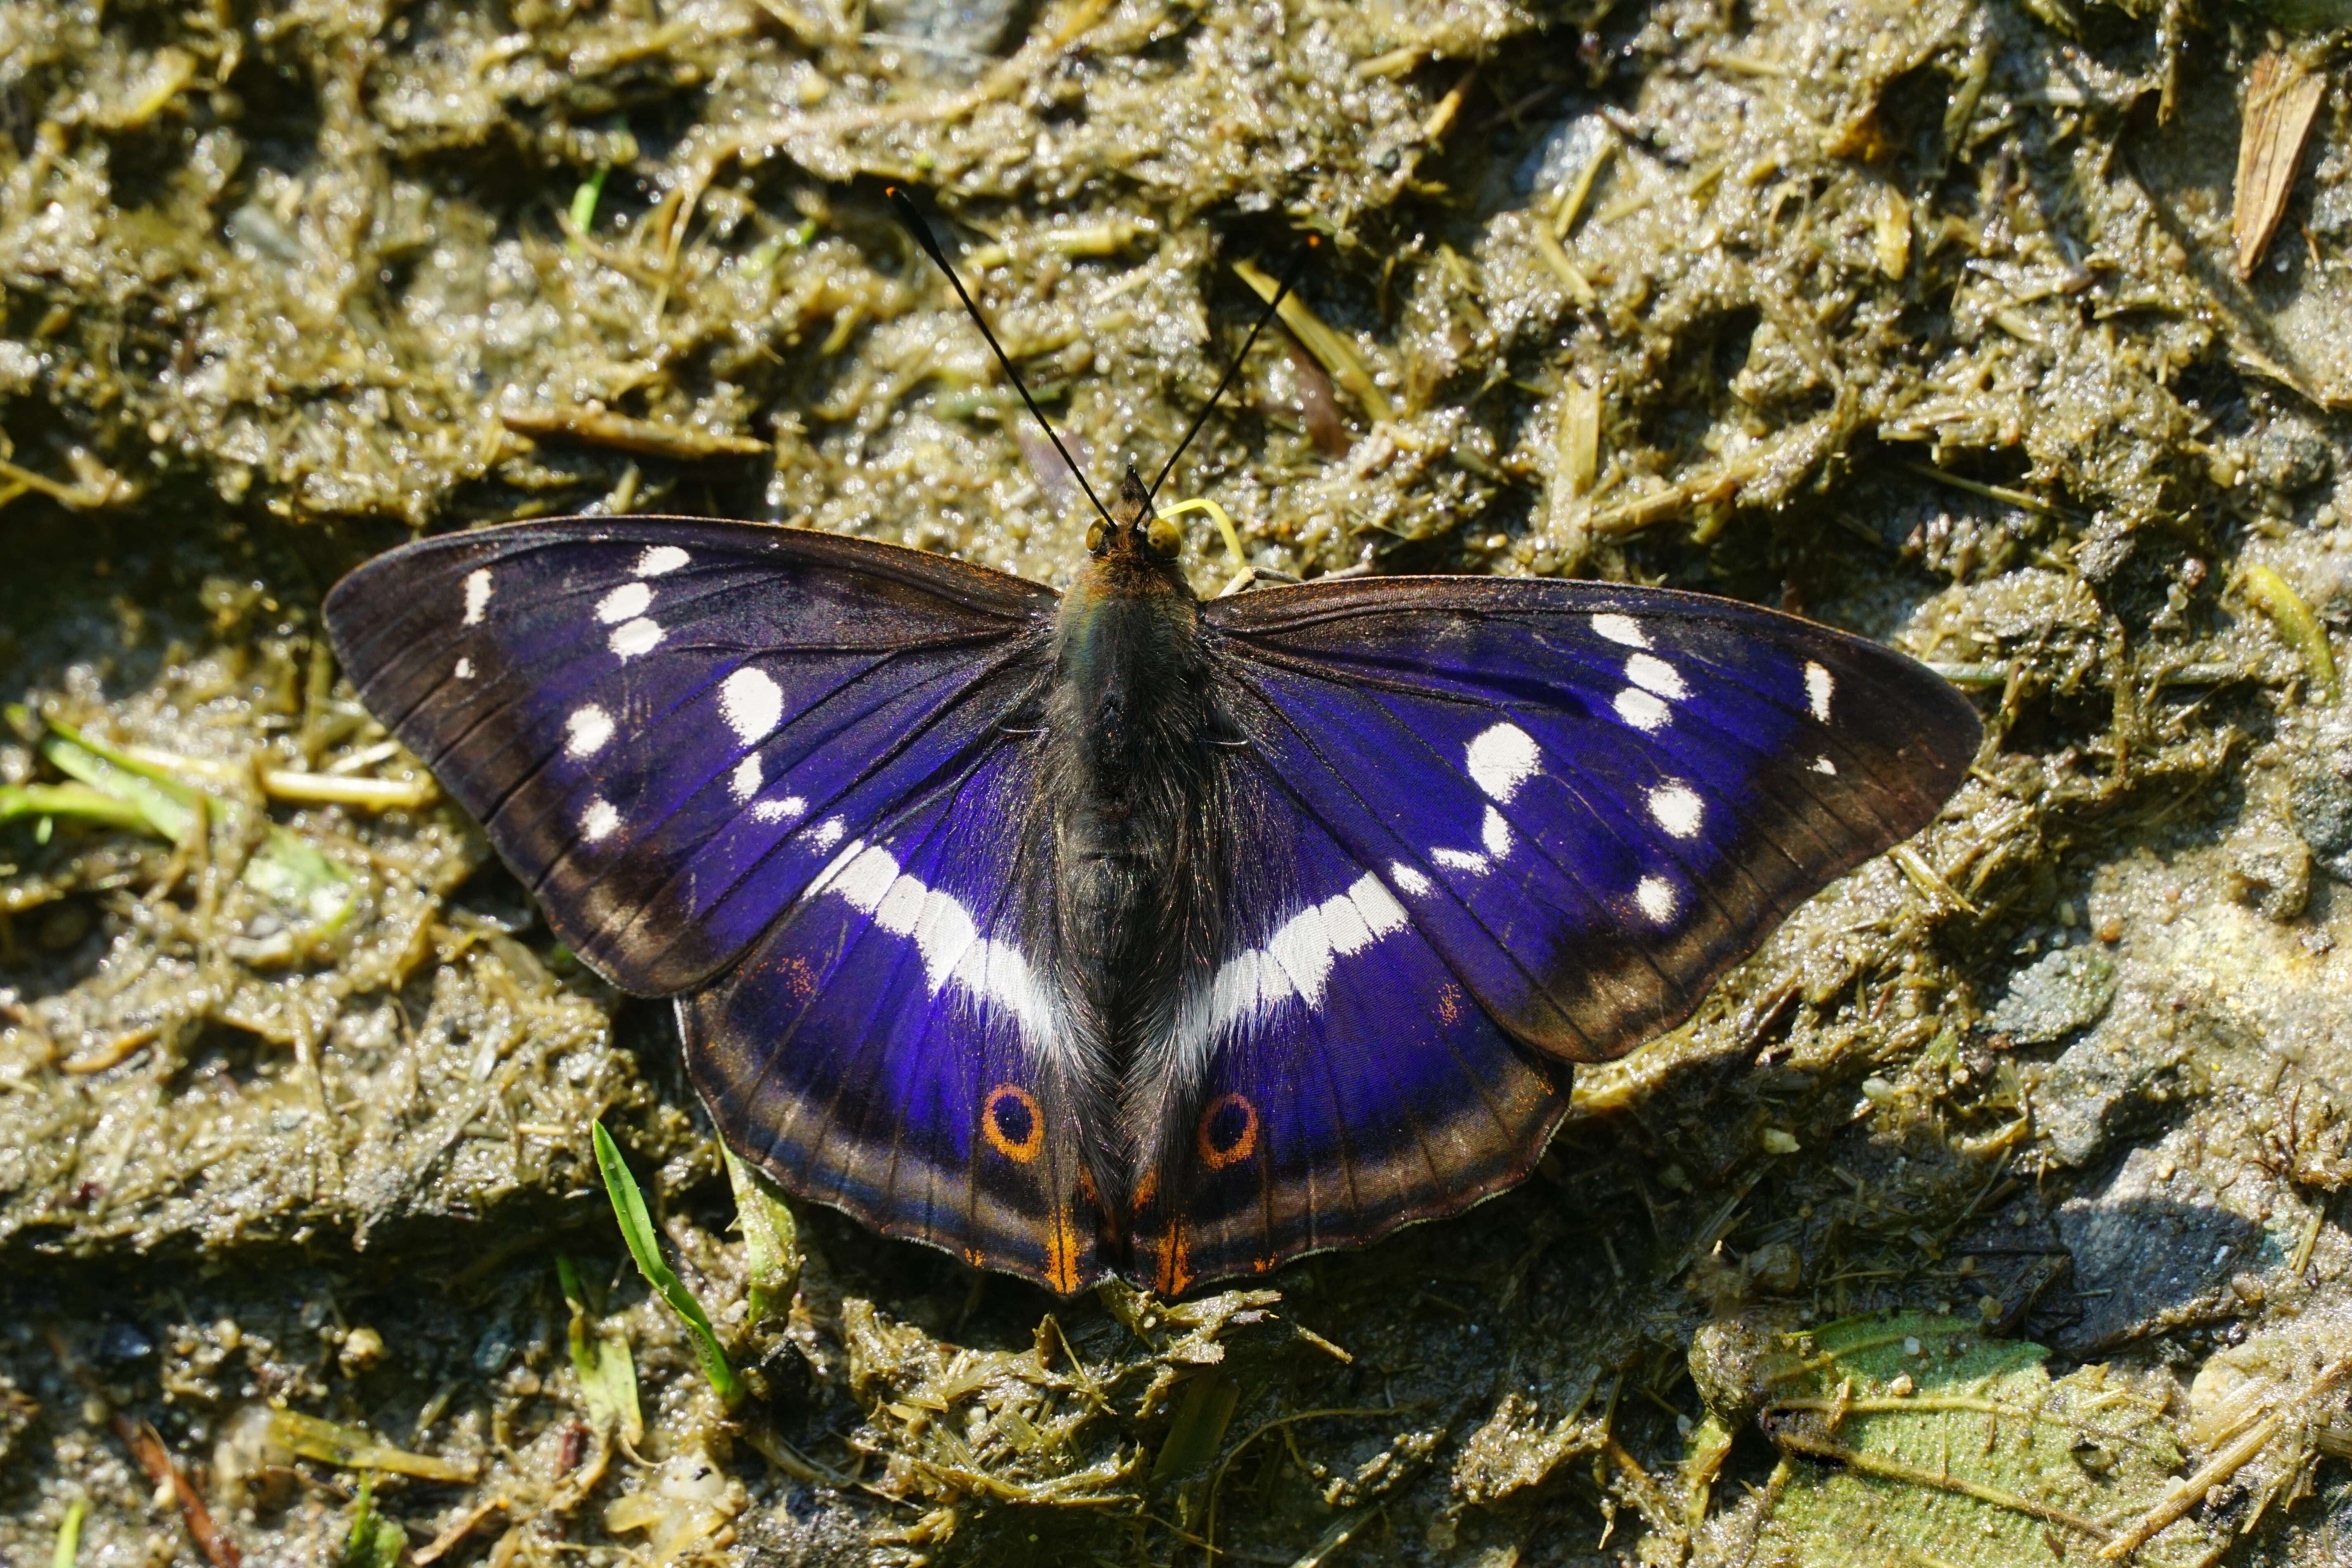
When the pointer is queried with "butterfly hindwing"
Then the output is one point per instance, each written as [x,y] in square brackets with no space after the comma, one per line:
[1591,799]
[669,726]
[1331,1079]
[896,1045]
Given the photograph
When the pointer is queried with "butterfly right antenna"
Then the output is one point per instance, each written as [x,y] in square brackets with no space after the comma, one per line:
[1289,275]
[913,220]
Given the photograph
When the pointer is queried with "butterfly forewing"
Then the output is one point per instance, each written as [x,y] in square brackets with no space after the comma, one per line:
[1590,799]
[669,727]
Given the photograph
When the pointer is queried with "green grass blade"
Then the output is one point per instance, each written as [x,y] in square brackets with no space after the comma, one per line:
[771,1242]
[374,1542]
[113,787]
[69,1535]
[600,1359]
[73,802]
[644,1246]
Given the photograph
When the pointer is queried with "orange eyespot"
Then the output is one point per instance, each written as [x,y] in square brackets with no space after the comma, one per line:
[1228,1131]
[1009,1121]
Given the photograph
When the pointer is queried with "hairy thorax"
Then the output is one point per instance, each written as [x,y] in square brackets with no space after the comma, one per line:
[1133,731]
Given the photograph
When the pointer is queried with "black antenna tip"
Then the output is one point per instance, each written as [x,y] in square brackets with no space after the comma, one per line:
[911,217]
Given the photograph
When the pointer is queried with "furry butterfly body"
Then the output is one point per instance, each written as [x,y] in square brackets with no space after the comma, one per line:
[1116,933]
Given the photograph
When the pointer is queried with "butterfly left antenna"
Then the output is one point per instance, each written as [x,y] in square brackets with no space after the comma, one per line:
[913,220]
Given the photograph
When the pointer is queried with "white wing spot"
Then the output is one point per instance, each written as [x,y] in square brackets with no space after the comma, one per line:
[1409,877]
[1677,808]
[635,637]
[1501,760]
[1656,897]
[748,778]
[599,820]
[1496,834]
[661,558]
[783,810]
[587,731]
[625,603]
[828,833]
[477,594]
[753,703]
[1468,860]
[1818,684]
[465,671]
[1646,711]
[1823,765]
[1648,670]
[1623,629]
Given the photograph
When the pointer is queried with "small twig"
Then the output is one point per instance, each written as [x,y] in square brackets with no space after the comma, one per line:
[146,1447]
[2226,1462]
[645,437]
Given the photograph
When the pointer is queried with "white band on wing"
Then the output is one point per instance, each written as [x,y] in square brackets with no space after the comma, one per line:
[953,951]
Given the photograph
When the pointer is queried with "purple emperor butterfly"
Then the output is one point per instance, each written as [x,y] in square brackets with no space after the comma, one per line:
[1117,932]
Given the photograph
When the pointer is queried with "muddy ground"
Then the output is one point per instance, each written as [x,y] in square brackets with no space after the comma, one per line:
[1991,1213]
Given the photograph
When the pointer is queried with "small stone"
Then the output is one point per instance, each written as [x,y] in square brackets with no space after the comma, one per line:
[2046,1000]
[1777,1268]
[2271,871]
[363,1348]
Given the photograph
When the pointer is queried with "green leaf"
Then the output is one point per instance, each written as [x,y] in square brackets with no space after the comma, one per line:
[286,870]
[644,1246]
[74,802]
[1915,1438]
[356,1449]
[585,199]
[1198,1429]
[167,806]
[296,874]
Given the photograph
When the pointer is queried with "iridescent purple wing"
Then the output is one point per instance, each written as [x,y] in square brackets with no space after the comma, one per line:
[896,1045]
[669,727]
[1590,799]
[1332,1078]
[1479,826]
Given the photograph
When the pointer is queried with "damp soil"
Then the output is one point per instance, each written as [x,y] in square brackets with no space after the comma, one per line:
[2026,1144]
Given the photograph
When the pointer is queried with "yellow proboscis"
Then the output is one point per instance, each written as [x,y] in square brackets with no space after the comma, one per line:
[1224,524]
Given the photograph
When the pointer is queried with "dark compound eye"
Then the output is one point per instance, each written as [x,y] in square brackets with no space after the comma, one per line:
[1165,538]
[1228,1131]
[1097,538]
[1011,1123]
